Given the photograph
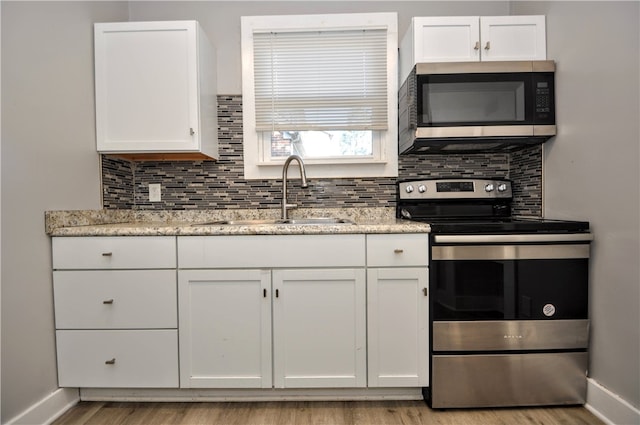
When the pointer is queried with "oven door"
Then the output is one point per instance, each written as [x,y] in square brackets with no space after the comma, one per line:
[510,279]
[485,99]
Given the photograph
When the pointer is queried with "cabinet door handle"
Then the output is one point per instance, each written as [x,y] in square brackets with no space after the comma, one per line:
[264,293]
[107,254]
[191,132]
[477,46]
[277,293]
[112,361]
[487,46]
[398,250]
[109,301]
[425,291]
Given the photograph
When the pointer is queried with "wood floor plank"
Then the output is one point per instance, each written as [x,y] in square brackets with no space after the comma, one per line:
[80,414]
[385,412]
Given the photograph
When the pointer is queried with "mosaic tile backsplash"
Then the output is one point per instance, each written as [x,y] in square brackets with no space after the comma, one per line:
[220,185]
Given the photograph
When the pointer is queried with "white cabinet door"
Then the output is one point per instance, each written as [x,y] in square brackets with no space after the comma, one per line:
[447,39]
[319,322]
[149,87]
[439,39]
[507,38]
[398,327]
[225,328]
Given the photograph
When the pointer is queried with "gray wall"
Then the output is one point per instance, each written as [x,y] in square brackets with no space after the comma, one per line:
[591,168]
[221,20]
[48,162]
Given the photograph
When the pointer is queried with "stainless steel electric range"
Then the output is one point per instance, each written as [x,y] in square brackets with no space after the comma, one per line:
[508,297]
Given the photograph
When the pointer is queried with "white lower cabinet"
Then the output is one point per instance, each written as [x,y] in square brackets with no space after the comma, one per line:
[115,303]
[317,313]
[397,310]
[225,328]
[319,326]
[250,311]
[398,323]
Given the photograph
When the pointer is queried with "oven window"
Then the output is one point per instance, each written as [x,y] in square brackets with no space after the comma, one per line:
[509,289]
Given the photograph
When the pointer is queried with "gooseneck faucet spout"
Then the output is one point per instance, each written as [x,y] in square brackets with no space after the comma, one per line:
[303,183]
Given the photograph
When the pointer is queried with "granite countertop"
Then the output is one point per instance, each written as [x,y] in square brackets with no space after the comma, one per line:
[199,222]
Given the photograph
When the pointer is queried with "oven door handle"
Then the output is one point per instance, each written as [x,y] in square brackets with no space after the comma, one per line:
[523,238]
[509,252]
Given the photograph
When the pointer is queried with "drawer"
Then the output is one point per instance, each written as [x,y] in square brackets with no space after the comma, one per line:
[112,299]
[108,359]
[114,252]
[271,251]
[395,250]
[531,379]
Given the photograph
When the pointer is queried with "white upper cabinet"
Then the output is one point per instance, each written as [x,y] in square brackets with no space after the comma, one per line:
[472,38]
[508,38]
[439,39]
[155,90]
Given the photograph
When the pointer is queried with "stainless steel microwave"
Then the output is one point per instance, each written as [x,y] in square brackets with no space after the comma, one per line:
[460,107]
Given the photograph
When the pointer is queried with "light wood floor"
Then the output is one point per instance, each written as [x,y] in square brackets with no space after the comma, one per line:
[329,413]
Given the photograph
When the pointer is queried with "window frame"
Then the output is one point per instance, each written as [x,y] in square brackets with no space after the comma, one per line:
[385,161]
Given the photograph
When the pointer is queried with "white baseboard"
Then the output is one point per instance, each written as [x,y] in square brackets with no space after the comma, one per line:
[49,408]
[609,407]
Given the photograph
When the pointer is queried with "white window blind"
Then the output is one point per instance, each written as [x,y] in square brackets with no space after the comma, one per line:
[321,80]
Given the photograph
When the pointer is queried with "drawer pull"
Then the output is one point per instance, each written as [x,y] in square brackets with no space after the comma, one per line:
[112,361]
[398,250]
[107,254]
[109,301]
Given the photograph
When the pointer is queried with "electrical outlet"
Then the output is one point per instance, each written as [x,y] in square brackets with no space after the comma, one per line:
[154,192]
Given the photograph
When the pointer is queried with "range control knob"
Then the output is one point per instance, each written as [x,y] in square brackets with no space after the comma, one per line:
[502,187]
[489,187]
[409,188]
[422,188]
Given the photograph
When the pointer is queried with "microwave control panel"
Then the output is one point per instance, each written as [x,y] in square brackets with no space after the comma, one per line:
[543,86]
[543,98]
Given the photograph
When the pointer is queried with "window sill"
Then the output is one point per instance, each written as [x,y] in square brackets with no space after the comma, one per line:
[337,170]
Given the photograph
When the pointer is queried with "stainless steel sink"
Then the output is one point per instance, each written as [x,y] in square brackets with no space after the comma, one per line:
[317,220]
[239,222]
[289,221]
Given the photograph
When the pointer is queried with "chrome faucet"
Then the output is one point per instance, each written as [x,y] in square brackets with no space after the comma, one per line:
[303,177]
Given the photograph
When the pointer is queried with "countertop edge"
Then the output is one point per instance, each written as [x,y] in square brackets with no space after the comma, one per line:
[186,223]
